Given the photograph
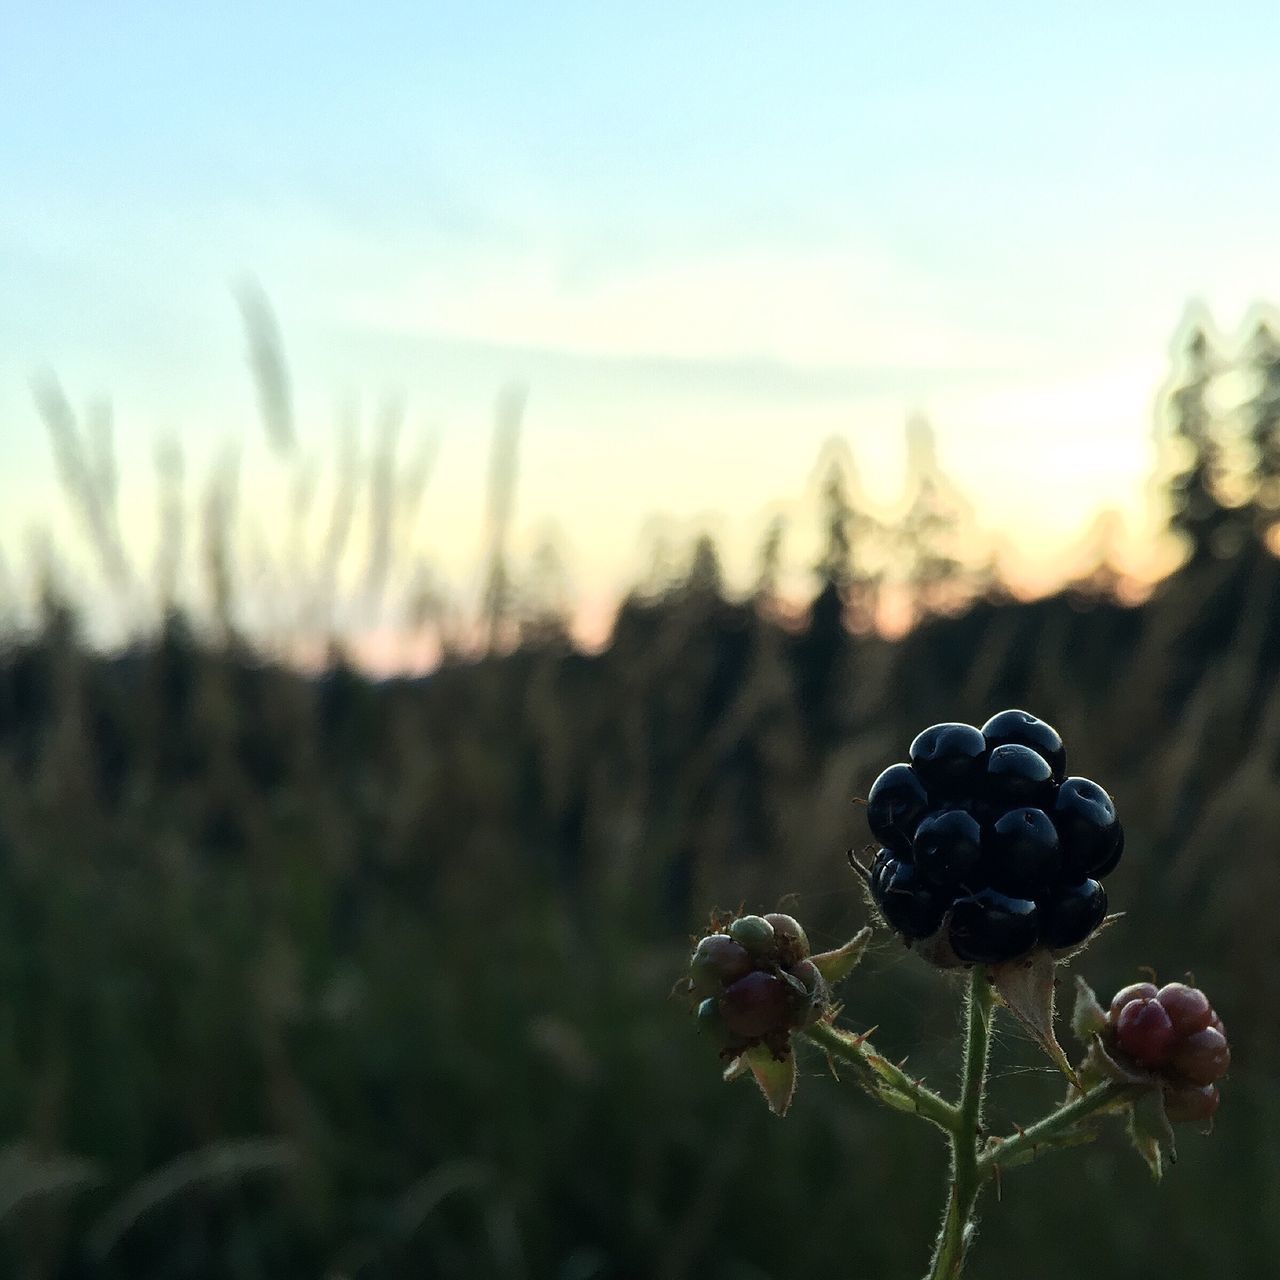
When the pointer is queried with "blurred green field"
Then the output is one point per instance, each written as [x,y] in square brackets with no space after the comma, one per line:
[332,977]
[317,975]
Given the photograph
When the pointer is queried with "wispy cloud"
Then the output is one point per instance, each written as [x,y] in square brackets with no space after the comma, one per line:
[803,308]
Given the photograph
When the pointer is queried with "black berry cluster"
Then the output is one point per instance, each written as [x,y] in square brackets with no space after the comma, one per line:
[756,983]
[984,831]
[1174,1033]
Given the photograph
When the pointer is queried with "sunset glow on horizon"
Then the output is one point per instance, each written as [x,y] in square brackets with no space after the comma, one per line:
[860,217]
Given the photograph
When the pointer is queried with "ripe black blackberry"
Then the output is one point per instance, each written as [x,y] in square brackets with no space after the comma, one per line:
[987,842]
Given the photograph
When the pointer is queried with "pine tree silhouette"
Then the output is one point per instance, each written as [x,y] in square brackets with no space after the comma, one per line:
[847,596]
[1262,421]
[1196,510]
[705,579]
[769,566]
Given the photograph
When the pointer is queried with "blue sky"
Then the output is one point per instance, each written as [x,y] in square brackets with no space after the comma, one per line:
[706,236]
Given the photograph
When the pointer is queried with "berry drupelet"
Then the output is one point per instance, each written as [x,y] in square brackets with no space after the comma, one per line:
[983,834]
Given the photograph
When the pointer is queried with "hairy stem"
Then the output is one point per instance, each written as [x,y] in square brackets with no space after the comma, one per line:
[971,1164]
[877,1074]
[1034,1140]
[966,1181]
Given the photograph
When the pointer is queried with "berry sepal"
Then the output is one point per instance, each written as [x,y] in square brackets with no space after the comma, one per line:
[1088,1018]
[1147,1114]
[1100,1064]
[837,965]
[1025,987]
[776,1076]
[1151,1132]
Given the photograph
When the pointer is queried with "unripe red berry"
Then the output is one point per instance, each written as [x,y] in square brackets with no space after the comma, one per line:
[1144,1032]
[1203,1056]
[717,961]
[793,945]
[1135,991]
[1187,1007]
[1187,1104]
[755,1005]
[809,974]
[810,1006]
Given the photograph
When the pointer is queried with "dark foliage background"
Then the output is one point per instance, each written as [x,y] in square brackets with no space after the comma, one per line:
[335,977]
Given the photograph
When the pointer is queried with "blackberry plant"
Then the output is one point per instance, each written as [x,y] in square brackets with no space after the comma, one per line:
[990,862]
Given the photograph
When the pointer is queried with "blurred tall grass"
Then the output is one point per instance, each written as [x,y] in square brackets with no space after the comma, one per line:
[312,974]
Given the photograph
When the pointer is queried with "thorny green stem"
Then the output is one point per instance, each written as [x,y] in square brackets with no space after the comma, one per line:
[860,1055]
[971,1165]
[1032,1141]
[957,1223]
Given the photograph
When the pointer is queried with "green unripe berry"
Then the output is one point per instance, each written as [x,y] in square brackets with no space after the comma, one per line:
[754,933]
[711,1023]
